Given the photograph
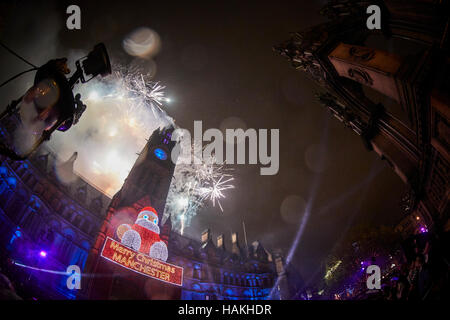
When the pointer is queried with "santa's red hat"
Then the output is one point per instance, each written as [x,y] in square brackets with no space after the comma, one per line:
[149,209]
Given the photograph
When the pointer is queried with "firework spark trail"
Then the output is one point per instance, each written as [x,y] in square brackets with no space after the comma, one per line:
[194,185]
[142,91]
[135,90]
[214,191]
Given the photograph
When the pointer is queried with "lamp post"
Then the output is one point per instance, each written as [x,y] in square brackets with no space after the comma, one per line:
[49,104]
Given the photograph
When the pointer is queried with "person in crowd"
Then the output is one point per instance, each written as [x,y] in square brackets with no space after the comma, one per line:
[423,277]
[402,287]
[412,280]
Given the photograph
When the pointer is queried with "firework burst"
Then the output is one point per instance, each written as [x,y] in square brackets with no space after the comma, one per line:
[193,185]
[142,91]
[214,191]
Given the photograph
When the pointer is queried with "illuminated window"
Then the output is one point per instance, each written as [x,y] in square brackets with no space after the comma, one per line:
[196,272]
[78,221]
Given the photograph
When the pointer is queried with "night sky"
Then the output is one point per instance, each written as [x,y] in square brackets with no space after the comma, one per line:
[217,63]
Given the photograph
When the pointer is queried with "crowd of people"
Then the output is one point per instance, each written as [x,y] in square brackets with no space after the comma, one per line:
[421,274]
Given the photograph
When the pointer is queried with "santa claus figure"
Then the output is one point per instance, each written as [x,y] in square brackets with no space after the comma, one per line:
[143,235]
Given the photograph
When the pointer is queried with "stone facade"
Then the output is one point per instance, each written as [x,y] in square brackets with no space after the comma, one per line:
[391,87]
[211,272]
[38,214]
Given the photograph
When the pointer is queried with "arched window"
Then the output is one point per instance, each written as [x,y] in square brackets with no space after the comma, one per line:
[216,276]
[28,218]
[67,213]
[196,272]
[66,245]
[86,227]
[81,194]
[96,205]
[225,278]
[69,252]
[49,236]
[42,161]
[15,209]
[77,221]
[93,231]
[56,204]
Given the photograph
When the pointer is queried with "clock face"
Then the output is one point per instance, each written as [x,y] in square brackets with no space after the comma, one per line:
[160,154]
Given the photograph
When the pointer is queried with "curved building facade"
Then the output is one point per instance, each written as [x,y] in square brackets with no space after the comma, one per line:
[50,218]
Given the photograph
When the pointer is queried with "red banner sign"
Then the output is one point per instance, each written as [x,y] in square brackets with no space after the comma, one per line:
[141,263]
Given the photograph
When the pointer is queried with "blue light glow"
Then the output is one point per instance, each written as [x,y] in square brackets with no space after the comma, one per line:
[160,154]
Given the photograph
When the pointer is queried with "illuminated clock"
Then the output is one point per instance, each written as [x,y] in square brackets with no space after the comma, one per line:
[160,154]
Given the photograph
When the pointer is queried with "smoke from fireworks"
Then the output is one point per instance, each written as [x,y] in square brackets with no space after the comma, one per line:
[192,186]
[122,112]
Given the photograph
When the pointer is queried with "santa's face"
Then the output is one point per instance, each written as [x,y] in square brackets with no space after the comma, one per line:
[148,220]
[149,216]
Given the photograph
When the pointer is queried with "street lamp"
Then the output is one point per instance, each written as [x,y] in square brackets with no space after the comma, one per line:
[49,104]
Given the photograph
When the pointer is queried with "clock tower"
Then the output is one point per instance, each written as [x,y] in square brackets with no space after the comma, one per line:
[151,174]
[147,185]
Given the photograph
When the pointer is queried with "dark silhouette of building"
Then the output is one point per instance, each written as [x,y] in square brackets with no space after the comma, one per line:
[391,87]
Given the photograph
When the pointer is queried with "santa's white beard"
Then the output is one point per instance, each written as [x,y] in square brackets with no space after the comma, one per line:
[148,225]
